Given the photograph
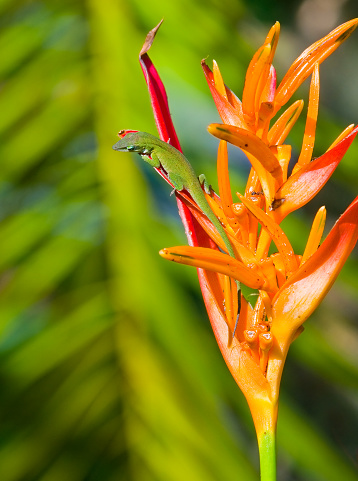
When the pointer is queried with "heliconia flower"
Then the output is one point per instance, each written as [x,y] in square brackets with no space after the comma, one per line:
[254,328]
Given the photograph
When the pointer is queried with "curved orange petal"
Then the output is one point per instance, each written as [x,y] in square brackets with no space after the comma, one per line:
[301,187]
[266,165]
[304,64]
[248,142]
[281,128]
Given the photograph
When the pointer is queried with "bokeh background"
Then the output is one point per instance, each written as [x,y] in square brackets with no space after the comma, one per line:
[108,368]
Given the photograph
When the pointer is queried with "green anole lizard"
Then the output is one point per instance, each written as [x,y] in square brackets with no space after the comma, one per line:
[179,171]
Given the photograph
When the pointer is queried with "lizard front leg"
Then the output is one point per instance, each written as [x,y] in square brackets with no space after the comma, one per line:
[204,183]
[151,158]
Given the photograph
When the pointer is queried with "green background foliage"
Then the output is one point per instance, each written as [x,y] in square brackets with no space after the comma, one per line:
[108,368]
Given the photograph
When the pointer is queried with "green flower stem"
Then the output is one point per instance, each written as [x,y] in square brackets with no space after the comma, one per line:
[267,449]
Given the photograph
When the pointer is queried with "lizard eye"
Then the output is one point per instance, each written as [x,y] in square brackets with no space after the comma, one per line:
[131,147]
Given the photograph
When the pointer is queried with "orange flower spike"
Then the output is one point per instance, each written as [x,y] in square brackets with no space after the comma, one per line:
[216,261]
[283,125]
[316,233]
[288,294]
[276,233]
[311,122]
[304,64]
[252,79]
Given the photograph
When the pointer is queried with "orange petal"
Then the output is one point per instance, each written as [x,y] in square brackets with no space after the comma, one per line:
[301,187]
[266,165]
[223,179]
[267,85]
[260,60]
[311,122]
[214,260]
[304,64]
[283,125]
[283,154]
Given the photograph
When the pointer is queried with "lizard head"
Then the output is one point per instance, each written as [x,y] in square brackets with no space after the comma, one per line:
[132,141]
